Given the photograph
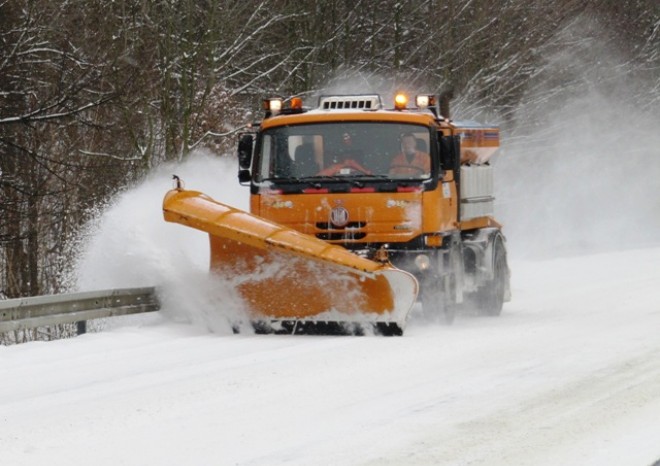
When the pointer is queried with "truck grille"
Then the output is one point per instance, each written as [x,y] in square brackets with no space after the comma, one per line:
[349,236]
[351,232]
[349,226]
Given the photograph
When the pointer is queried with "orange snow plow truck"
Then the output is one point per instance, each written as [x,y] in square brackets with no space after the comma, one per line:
[357,212]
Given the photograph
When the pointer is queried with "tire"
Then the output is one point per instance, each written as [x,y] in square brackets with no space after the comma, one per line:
[490,297]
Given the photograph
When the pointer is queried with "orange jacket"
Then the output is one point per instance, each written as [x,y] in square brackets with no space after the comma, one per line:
[420,163]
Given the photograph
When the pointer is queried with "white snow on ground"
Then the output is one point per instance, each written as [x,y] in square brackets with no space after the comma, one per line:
[569,373]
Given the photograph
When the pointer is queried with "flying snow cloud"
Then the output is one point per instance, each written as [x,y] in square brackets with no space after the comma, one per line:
[581,170]
[130,245]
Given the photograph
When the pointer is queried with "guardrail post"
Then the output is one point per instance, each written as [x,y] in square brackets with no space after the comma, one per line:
[81,327]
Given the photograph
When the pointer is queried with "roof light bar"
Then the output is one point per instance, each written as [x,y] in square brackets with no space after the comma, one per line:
[274,106]
[425,101]
[277,105]
[400,101]
[422,101]
[353,102]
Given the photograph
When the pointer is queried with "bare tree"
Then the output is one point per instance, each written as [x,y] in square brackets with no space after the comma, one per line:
[52,93]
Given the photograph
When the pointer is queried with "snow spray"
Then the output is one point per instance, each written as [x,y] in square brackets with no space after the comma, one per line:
[580,170]
[130,245]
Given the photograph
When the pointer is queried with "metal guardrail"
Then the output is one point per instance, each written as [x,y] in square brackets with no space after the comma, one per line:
[42,311]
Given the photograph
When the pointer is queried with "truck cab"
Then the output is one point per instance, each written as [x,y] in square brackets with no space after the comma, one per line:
[401,184]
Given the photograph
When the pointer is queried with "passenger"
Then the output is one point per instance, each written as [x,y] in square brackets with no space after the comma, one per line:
[410,161]
[345,161]
[305,160]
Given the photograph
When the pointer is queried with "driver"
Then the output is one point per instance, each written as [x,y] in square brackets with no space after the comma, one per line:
[410,161]
[345,162]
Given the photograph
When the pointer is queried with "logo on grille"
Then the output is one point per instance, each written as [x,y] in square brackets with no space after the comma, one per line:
[339,217]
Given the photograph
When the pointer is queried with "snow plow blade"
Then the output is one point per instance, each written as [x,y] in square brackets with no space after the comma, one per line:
[295,283]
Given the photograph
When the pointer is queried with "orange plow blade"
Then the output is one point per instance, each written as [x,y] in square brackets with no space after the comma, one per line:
[292,282]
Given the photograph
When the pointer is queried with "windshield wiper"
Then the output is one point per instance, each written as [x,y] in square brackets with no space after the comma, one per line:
[377,176]
[323,178]
[292,179]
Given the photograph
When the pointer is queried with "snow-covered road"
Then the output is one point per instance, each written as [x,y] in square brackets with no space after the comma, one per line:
[569,374]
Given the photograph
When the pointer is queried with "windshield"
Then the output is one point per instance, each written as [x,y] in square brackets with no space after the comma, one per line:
[345,150]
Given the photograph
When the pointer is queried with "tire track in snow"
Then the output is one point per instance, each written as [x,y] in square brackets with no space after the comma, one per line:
[586,409]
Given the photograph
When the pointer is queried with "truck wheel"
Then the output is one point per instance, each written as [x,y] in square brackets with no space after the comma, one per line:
[490,297]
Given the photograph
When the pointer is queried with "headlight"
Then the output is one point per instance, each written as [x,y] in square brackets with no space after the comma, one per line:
[422,262]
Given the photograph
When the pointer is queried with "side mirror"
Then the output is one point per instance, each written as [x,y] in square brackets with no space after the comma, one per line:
[450,152]
[244,176]
[245,147]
